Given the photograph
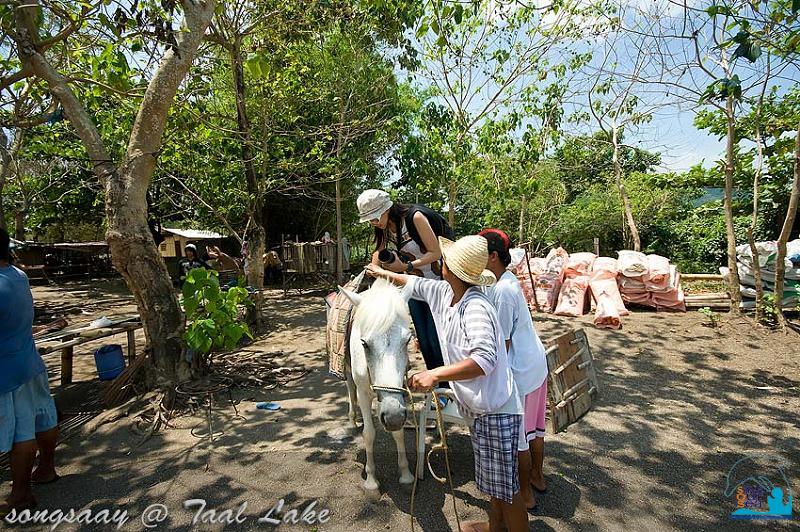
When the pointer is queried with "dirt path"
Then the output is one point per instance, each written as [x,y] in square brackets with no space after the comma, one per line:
[679,404]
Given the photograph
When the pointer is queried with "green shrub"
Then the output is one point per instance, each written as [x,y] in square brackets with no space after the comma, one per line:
[212,315]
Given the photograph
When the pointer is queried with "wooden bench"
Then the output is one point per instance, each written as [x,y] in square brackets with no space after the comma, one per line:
[66,342]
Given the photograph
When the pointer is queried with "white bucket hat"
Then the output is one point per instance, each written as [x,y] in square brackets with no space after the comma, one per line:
[466,258]
[372,204]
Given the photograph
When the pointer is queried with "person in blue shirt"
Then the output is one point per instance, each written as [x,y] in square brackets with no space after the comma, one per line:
[28,419]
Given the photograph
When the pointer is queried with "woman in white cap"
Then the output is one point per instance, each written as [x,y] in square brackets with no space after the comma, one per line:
[477,365]
[410,231]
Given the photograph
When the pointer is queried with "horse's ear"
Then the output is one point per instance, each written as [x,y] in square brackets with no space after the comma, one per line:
[354,298]
[406,292]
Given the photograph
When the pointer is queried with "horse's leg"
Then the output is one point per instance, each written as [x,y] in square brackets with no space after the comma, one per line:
[365,402]
[352,398]
[402,460]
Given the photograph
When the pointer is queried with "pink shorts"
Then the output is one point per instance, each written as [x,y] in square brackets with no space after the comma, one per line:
[533,421]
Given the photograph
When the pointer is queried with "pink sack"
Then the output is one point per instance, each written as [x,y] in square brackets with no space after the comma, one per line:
[657,269]
[631,263]
[537,265]
[604,287]
[606,315]
[605,264]
[638,298]
[547,286]
[579,264]
[556,260]
[572,296]
[631,284]
[664,284]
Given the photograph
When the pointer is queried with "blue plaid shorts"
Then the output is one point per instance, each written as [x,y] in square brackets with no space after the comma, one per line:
[494,444]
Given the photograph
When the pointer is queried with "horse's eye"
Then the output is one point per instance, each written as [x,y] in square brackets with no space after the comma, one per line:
[364,343]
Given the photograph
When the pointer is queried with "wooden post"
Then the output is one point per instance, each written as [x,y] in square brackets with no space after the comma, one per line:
[597,246]
[66,366]
[131,346]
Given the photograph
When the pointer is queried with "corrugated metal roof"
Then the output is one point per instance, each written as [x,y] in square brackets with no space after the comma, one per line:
[194,234]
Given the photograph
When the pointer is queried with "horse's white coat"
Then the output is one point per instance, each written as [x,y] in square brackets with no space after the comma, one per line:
[379,356]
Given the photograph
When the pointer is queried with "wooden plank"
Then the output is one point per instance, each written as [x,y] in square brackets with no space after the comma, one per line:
[131,346]
[66,365]
[89,336]
[701,277]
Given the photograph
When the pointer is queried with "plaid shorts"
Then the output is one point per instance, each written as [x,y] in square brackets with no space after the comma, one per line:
[494,444]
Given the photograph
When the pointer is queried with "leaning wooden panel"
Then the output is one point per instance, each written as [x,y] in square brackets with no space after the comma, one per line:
[572,380]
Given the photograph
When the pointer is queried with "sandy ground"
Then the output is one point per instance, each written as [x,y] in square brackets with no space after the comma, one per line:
[680,403]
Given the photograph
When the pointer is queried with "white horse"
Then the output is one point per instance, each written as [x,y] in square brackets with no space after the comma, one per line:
[378,359]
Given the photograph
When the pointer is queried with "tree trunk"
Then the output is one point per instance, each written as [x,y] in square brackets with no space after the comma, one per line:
[733,276]
[783,238]
[754,224]
[451,201]
[623,194]
[133,250]
[256,239]
[7,158]
[339,235]
[521,218]
[19,223]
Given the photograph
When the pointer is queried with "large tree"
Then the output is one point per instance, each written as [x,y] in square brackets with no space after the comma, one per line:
[38,30]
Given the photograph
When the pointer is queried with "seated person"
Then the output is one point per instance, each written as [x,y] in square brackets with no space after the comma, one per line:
[191,261]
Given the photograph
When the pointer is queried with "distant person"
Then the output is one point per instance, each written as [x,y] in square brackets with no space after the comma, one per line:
[28,419]
[272,266]
[191,261]
[526,354]
[411,232]
[326,238]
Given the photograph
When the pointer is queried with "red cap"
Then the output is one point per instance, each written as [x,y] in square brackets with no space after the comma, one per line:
[498,232]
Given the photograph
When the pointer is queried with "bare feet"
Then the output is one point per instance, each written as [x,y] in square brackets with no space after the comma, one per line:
[530,502]
[539,485]
[44,476]
[11,504]
[475,526]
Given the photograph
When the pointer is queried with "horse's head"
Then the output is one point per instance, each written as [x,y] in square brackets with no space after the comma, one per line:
[382,322]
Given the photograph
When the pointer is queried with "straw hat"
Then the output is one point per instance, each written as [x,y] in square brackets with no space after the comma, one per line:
[466,258]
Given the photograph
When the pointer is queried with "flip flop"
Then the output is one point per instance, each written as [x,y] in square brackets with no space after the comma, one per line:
[42,483]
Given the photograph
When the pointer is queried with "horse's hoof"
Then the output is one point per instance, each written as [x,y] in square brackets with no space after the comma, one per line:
[373,493]
[406,478]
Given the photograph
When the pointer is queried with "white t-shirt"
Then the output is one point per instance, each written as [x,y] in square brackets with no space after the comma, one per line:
[471,329]
[526,355]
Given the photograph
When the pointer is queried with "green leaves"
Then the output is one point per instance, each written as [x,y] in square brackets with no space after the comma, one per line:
[723,88]
[716,10]
[213,315]
[257,66]
[747,47]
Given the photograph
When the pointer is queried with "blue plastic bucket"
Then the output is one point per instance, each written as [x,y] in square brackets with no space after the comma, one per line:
[110,362]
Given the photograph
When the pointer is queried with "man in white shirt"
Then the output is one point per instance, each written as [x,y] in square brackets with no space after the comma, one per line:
[476,365]
[527,359]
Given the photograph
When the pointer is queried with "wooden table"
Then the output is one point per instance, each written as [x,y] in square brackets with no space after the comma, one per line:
[66,341]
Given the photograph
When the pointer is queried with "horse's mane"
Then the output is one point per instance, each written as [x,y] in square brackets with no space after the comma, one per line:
[380,307]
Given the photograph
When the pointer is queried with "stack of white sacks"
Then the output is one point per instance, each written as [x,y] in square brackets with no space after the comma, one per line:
[650,280]
[767,255]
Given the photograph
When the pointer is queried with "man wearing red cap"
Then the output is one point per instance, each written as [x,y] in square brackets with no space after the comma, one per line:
[527,359]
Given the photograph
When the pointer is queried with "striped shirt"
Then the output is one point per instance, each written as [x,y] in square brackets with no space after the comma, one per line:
[471,329]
